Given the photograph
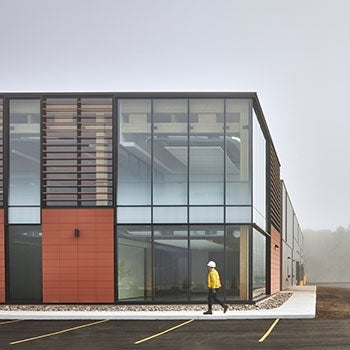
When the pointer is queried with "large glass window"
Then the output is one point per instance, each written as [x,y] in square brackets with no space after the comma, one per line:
[236,281]
[259,175]
[24,261]
[134,263]
[171,263]
[24,190]
[259,264]
[134,152]
[207,243]
[238,189]
[170,153]
[206,170]
[174,267]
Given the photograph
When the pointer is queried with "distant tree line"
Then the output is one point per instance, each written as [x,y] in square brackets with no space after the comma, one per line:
[327,255]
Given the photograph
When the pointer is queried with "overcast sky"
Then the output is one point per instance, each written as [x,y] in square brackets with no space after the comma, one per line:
[294,53]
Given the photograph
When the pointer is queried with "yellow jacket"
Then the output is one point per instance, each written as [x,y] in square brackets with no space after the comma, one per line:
[213,279]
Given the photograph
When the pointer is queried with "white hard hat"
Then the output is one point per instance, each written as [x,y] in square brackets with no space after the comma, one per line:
[211,263]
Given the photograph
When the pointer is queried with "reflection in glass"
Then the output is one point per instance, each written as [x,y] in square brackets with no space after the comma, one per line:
[170,215]
[206,151]
[134,215]
[259,264]
[237,152]
[170,151]
[134,153]
[206,243]
[134,263]
[232,281]
[259,178]
[24,153]
[171,263]
[174,156]
[206,214]
[24,261]
[24,215]
[238,214]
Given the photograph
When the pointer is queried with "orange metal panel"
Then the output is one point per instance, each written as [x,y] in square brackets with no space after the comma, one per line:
[2,257]
[275,260]
[79,260]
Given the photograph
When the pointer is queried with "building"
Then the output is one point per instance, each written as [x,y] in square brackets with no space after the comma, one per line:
[124,197]
[292,244]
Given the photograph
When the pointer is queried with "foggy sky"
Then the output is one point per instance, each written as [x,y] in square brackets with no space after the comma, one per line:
[294,53]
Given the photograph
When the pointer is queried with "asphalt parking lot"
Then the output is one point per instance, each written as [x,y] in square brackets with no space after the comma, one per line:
[178,335]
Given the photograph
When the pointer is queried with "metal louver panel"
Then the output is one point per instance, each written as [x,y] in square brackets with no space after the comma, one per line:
[276,192]
[77,151]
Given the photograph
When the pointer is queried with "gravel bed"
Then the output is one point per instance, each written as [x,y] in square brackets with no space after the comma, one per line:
[271,302]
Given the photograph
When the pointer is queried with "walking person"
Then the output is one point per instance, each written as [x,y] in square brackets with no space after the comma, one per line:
[214,284]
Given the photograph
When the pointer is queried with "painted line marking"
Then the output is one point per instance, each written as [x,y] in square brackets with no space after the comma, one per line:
[12,321]
[58,332]
[269,331]
[161,333]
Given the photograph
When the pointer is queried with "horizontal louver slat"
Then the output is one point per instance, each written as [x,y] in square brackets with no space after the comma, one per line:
[276,193]
[77,151]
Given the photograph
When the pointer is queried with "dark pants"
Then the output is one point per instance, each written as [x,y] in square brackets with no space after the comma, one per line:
[212,295]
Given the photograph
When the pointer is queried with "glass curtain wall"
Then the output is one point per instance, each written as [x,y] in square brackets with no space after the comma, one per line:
[184,181]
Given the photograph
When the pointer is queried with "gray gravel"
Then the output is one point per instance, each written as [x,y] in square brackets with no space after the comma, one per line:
[271,302]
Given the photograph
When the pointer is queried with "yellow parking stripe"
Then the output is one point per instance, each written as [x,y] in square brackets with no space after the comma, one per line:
[269,331]
[12,321]
[55,333]
[166,331]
